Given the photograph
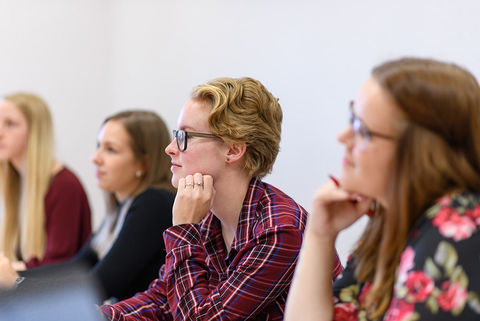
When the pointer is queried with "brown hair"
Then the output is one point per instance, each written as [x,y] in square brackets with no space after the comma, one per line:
[149,136]
[243,110]
[437,153]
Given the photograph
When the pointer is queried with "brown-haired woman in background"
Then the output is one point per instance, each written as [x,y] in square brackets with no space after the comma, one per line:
[127,251]
[45,217]
[413,151]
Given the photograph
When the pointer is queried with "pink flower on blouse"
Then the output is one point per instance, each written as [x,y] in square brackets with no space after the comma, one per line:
[399,310]
[445,201]
[419,286]
[406,263]
[364,293]
[451,224]
[474,215]
[345,312]
[453,295]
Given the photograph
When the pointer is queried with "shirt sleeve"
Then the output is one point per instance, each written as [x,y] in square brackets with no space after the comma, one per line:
[68,220]
[149,305]
[263,272]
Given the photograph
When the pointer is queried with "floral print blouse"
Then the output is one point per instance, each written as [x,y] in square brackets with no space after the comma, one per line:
[438,277]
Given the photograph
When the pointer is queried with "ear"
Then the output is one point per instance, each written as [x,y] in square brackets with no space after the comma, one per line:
[235,151]
[143,162]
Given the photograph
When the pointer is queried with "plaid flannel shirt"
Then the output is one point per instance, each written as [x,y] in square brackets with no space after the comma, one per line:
[201,281]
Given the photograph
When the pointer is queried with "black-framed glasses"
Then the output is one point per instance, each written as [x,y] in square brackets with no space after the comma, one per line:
[182,136]
[361,134]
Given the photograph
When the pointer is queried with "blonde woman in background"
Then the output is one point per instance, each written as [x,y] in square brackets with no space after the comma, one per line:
[45,215]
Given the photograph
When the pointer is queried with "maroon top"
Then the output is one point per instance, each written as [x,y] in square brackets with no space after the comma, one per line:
[67,219]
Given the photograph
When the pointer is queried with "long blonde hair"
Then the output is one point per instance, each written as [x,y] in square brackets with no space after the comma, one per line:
[28,234]
[437,153]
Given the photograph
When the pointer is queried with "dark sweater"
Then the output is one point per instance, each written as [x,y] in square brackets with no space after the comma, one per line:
[136,255]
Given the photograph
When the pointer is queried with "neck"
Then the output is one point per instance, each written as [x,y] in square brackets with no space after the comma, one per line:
[230,192]
[123,194]
[19,165]
[120,197]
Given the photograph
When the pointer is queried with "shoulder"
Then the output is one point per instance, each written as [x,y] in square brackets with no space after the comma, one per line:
[273,206]
[448,234]
[152,200]
[152,196]
[442,255]
[65,178]
[152,207]
[65,184]
[455,217]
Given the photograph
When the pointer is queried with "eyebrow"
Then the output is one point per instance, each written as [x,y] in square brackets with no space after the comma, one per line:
[352,103]
[350,107]
[109,143]
[186,128]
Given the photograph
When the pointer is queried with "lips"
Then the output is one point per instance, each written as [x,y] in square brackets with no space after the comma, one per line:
[347,162]
[99,174]
[175,165]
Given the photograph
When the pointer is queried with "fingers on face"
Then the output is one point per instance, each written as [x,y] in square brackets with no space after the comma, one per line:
[189,181]
[208,182]
[198,180]
[181,184]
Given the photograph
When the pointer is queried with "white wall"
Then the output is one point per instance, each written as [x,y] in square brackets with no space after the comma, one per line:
[60,49]
[92,57]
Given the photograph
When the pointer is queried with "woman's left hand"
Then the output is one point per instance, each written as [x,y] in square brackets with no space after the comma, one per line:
[194,199]
[8,275]
[19,265]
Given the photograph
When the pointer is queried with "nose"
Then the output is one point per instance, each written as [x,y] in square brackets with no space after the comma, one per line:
[171,148]
[96,159]
[346,136]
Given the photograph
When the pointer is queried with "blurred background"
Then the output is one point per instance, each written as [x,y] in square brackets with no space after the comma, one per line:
[91,58]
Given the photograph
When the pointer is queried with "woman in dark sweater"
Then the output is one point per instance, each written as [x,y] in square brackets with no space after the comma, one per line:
[125,254]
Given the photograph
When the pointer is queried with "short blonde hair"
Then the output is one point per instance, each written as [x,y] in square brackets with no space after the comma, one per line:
[243,110]
[39,163]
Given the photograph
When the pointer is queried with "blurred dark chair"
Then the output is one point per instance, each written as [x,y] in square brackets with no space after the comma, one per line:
[59,295]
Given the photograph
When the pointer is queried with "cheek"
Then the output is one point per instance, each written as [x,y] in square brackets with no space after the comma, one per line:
[19,143]
[369,174]
[175,181]
[206,162]
[120,169]
[378,172]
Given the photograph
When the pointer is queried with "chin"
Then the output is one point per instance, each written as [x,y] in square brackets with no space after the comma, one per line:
[350,184]
[174,182]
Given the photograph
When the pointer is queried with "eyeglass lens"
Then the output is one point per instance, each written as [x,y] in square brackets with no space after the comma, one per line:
[181,138]
[360,132]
